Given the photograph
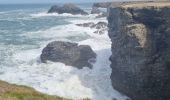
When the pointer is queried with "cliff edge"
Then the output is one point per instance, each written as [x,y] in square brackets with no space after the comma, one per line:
[140,35]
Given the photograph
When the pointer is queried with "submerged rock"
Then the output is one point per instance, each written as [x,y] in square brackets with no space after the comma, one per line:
[140,35]
[67,8]
[69,53]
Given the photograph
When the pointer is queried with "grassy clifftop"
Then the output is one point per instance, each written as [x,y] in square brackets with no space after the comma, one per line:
[15,92]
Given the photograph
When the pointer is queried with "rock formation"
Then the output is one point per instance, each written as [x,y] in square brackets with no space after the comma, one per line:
[140,35]
[101,27]
[95,10]
[69,53]
[67,8]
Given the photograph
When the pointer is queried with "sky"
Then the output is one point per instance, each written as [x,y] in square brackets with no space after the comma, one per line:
[47,1]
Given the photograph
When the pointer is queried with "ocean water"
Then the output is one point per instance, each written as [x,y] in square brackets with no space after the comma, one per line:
[26,29]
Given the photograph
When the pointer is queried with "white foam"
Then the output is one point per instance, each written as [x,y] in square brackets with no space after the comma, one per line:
[59,79]
[45,14]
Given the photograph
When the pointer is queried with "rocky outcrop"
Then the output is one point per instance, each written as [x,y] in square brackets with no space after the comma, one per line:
[69,53]
[140,35]
[67,8]
[89,24]
[101,27]
[95,10]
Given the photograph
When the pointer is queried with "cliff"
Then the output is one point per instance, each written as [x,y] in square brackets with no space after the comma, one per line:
[140,35]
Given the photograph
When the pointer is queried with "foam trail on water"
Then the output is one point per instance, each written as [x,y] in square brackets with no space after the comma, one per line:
[57,78]
[45,14]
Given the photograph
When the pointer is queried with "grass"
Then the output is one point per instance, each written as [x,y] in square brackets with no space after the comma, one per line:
[15,92]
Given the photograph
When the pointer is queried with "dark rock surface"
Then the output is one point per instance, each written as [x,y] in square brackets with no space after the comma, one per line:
[140,58]
[95,10]
[101,15]
[69,53]
[67,8]
[101,27]
[89,24]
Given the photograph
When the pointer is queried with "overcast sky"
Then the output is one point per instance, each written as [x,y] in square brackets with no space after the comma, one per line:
[48,1]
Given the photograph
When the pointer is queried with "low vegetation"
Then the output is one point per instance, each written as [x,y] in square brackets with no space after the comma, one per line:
[15,92]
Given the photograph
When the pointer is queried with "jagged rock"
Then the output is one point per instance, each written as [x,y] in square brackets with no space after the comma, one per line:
[95,10]
[103,14]
[101,27]
[140,35]
[90,24]
[101,31]
[69,53]
[67,8]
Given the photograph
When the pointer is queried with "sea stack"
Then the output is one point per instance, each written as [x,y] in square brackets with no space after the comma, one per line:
[71,54]
[67,8]
[140,34]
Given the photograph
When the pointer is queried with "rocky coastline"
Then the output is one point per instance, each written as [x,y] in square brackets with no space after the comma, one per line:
[139,32]
[140,60]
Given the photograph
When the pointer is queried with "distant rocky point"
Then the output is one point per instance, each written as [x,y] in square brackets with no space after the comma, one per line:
[68,53]
[67,8]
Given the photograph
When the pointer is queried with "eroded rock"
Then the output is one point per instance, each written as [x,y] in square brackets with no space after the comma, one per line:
[67,8]
[140,35]
[69,53]
[101,27]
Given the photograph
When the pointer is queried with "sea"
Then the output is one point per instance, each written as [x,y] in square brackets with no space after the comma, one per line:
[25,29]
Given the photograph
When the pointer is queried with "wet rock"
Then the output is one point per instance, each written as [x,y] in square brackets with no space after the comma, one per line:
[101,15]
[67,8]
[68,53]
[89,24]
[101,27]
[95,10]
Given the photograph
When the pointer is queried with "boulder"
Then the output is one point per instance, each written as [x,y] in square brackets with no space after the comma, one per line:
[67,8]
[71,54]
[140,61]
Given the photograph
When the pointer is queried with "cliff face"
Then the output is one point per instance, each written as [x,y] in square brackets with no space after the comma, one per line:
[140,35]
